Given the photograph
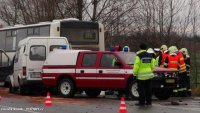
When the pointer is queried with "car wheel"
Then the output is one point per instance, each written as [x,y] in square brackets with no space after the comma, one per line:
[93,92]
[133,89]
[66,88]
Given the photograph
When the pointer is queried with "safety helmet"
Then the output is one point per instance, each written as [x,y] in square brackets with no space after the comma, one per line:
[156,49]
[176,49]
[172,50]
[163,48]
[126,49]
[184,51]
[150,50]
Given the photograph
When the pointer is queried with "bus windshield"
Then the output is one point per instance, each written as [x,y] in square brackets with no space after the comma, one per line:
[80,32]
[127,57]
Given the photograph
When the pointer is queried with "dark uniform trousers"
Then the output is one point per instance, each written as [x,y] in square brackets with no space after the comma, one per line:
[145,91]
[183,82]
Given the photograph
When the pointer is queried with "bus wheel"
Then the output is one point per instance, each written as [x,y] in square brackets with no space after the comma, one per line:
[66,88]
[93,92]
[133,89]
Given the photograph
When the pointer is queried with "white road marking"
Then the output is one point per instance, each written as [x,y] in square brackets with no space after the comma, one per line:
[18,110]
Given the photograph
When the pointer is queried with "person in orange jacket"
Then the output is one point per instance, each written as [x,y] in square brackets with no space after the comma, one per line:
[186,56]
[182,74]
[163,55]
[172,62]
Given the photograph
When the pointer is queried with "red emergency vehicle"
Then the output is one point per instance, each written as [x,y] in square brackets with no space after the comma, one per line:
[92,71]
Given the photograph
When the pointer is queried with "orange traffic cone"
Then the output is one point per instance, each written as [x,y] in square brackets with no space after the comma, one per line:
[122,108]
[48,100]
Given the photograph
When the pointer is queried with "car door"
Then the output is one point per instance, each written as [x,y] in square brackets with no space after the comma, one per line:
[112,76]
[5,68]
[17,69]
[86,74]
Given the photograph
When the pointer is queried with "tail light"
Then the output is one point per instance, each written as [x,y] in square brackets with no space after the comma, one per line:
[24,71]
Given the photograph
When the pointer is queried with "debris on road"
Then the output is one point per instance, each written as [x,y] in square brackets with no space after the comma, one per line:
[178,103]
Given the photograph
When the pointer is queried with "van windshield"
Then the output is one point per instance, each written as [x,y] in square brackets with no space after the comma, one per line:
[127,57]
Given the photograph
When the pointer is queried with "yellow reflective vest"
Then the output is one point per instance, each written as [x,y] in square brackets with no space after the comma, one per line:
[143,65]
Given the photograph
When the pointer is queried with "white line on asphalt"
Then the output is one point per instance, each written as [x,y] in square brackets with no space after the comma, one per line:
[179,107]
[20,110]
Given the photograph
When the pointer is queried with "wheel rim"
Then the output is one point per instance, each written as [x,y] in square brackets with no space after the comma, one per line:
[134,90]
[65,88]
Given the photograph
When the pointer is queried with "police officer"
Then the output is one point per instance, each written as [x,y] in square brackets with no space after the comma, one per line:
[143,70]
[151,51]
[186,56]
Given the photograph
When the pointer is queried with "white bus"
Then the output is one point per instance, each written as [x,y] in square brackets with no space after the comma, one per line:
[80,34]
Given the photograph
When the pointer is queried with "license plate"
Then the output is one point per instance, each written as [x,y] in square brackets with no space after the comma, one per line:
[170,81]
[35,74]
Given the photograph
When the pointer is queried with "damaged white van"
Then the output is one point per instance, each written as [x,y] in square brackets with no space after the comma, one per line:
[28,61]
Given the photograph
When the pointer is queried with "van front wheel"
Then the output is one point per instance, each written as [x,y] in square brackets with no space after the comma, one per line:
[11,88]
[66,88]
[22,90]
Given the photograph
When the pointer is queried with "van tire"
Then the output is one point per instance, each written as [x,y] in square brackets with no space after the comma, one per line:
[133,89]
[21,90]
[93,92]
[11,88]
[66,88]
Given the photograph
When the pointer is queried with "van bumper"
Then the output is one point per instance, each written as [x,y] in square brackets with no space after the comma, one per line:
[25,82]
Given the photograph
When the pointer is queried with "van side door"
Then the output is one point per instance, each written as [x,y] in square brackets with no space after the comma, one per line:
[36,55]
[18,65]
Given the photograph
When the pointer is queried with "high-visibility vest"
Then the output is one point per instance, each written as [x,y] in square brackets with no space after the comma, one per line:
[143,66]
[182,66]
[157,61]
[172,62]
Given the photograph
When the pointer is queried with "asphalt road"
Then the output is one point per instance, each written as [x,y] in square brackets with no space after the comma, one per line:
[15,103]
